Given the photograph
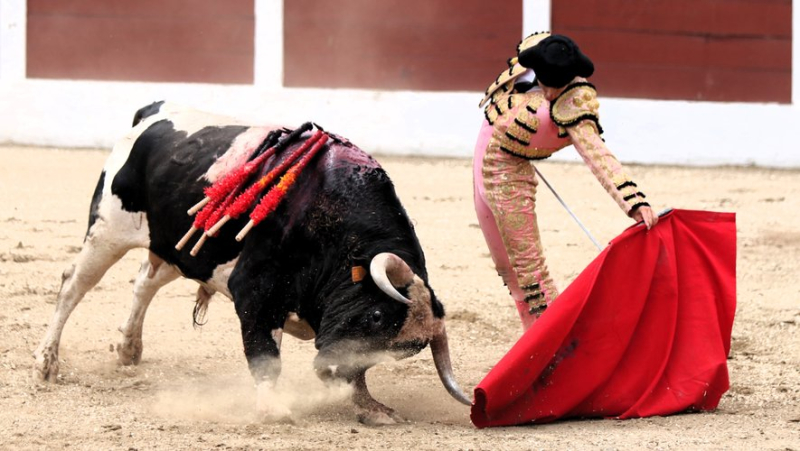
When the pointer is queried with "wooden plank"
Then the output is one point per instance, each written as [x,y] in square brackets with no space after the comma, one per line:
[683,50]
[141,46]
[398,44]
[427,73]
[142,8]
[709,84]
[136,67]
[696,17]
[94,34]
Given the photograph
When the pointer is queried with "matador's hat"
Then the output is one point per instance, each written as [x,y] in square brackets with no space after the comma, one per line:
[556,60]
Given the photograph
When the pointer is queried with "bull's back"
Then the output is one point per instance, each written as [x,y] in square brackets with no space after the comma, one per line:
[155,173]
[166,163]
[159,170]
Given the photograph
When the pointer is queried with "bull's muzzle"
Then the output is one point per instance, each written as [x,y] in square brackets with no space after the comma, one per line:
[346,365]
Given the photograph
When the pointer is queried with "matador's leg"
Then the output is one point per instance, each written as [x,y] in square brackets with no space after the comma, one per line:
[506,212]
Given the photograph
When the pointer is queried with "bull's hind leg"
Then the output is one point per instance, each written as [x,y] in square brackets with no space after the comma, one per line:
[153,275]
[92,262]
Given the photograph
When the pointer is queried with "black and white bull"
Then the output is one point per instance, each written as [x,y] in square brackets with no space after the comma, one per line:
[292,273]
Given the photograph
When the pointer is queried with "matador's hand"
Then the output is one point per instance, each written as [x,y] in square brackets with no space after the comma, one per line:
[645,214]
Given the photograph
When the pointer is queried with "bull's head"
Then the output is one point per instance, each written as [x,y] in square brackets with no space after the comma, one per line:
[396,315]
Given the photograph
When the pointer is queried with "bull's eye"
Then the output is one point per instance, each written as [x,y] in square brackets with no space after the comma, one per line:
[377,316]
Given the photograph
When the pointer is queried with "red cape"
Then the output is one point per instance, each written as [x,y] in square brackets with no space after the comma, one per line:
[644,330]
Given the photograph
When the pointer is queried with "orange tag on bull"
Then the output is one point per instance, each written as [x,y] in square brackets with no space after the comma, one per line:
[358,273]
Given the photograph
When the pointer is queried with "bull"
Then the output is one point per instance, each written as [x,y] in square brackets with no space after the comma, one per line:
[293,273]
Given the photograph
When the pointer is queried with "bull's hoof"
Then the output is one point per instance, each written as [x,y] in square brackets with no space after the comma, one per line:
[379,417]
[276,415]
[129,352]
[45,368]
[269,406]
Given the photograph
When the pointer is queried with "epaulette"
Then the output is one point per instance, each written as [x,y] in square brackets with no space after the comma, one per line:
[502,84]
[506,78]
[531,40]
[500,103]
[576,103]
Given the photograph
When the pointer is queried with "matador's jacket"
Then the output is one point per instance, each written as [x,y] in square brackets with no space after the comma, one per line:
[524,126]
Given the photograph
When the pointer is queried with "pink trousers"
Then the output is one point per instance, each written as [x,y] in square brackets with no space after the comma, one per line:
[504,195]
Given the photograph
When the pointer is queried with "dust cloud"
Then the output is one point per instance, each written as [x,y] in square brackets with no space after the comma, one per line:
[233,400]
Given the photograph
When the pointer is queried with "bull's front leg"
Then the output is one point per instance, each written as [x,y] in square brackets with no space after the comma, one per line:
[261,336]
[368,410]
[265,370]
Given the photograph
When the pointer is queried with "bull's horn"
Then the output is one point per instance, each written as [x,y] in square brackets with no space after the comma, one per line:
[390,271]
[441,358]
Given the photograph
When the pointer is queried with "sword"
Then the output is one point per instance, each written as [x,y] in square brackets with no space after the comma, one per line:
[567,208]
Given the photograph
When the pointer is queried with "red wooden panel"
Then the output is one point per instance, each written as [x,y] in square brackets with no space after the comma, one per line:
[683,50]
[398,44]
[98,40]
[142,8]
[677,83]
[702,17]
[719,50]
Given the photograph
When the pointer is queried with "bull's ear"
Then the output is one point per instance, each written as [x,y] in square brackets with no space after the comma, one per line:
[436,306]
[390,272]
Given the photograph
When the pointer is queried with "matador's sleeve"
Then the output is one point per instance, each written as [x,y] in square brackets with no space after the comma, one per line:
[576,111]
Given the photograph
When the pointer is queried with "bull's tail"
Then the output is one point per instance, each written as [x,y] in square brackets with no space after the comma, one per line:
[95,205]
[204,295]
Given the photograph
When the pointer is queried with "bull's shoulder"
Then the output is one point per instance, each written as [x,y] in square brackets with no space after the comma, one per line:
[183,118]
[185,132]
[343,153]
[147,111]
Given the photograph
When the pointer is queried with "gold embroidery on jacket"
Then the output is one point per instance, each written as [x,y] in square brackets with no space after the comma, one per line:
[515,135]
[534,103]
[576,103]
[501,102]
[605,166]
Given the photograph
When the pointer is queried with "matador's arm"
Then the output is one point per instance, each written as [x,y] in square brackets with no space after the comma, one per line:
[576,110]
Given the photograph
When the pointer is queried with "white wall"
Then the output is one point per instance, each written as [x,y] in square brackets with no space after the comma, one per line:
[93,114]
[12,39]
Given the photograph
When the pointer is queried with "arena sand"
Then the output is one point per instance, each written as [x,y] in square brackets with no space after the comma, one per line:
[193,391]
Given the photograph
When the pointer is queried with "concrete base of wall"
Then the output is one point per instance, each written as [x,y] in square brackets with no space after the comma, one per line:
[94,114]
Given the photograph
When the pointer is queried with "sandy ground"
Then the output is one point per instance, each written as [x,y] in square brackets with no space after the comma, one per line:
[193,391]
